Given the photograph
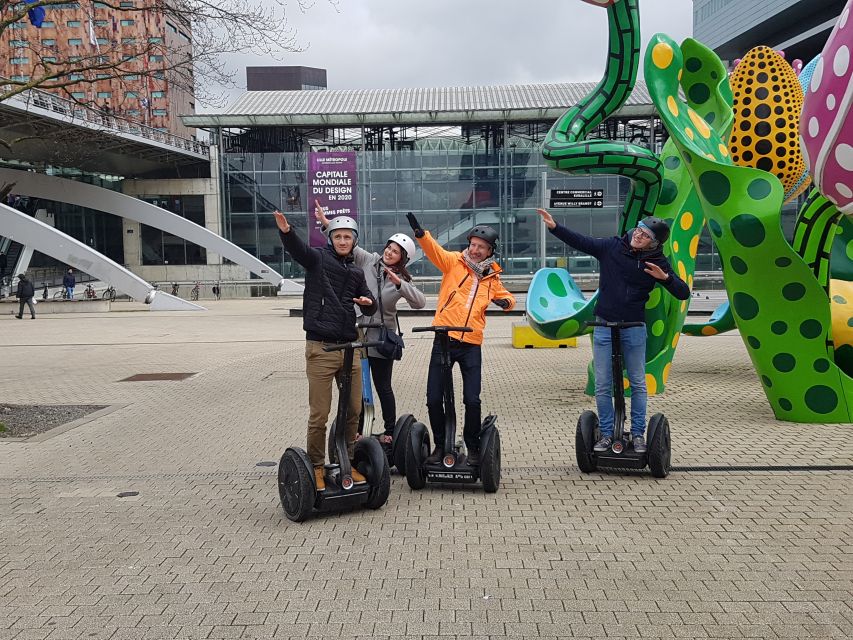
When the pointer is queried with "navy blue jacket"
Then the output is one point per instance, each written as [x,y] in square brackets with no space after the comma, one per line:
[68,280]
[331,282]
[624,286]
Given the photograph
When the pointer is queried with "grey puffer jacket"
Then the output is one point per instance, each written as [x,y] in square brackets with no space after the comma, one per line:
[376,278]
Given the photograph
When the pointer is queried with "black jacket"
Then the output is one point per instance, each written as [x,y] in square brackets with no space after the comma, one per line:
[26,290]
[331,282]
[68,280]
[624,286]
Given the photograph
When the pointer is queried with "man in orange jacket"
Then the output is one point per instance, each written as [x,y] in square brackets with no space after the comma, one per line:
[471,280]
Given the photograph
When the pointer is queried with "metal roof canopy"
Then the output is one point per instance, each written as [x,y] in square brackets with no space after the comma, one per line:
[448,105]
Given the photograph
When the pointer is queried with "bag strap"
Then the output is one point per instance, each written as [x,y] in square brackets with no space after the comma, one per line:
[379,284]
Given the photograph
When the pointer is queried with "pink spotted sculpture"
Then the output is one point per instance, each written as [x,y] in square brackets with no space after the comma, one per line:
[826,126]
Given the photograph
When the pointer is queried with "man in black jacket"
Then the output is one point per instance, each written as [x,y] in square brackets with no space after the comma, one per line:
[333,283]
[631,266]
[25,294]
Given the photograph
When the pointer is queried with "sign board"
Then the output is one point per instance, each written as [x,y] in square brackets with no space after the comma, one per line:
[577,198]
[331,182]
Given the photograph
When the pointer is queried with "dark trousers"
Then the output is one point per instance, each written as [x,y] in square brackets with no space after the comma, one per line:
[470,359]
[380,372]
[29,303]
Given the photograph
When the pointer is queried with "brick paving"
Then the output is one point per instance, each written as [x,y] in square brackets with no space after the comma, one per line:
[204,550]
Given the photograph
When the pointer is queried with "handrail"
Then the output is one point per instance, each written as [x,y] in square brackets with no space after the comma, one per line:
[64,106]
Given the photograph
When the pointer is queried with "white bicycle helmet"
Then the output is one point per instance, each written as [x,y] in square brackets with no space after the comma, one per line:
[406,243]
[342,222]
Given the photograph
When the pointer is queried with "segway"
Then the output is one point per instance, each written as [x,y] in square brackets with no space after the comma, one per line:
[296,485]
[621,454]
[454,466]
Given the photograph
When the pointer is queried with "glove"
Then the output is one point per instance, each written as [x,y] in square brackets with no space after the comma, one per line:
[415,225]
[501,302]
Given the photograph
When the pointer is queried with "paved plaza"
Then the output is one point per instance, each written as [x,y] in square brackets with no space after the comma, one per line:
[204,549]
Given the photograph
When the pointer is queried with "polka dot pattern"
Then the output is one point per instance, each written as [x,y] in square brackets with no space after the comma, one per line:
[826,128]
[768,99]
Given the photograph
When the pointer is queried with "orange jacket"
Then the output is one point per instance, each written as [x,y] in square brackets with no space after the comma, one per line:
[463,299]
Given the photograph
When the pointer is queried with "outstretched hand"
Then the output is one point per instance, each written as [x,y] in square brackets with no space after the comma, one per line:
[393,277]
[281,221]
[320,215]
[655,271]
[415,225]
[363,301]
[547,218]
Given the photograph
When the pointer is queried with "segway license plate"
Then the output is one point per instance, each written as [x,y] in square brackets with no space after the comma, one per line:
[450,475]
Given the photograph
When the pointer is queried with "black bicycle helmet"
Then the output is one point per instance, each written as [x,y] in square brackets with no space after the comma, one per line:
[484,232]
[658,227]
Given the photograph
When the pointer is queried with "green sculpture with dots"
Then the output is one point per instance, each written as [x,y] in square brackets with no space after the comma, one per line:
[660,186]
[780,307]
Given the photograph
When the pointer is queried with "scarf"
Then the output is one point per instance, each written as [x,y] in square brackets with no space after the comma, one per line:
[479,268]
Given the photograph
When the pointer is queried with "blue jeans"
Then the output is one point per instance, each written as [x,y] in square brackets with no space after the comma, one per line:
[470,359]
[69,292]
[634,356]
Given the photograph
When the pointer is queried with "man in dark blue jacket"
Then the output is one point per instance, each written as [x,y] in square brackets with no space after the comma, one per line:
[333,282]
[68,282]
[630,266]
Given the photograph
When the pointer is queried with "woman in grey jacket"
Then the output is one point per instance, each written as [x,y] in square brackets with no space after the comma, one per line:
[389,282]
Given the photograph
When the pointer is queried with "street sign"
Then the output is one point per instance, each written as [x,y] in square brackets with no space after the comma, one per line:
[577,198]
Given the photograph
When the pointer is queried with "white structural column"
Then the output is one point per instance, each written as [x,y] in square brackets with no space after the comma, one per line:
[33,233]
[86,195]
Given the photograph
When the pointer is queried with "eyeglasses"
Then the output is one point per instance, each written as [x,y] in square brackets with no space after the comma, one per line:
[646,235]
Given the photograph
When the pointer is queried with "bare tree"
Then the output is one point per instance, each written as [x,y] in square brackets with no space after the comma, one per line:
[206,32]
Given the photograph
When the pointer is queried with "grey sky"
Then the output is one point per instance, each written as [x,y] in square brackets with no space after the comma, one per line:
[370,44]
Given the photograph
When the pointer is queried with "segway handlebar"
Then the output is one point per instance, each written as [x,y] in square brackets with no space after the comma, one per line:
[351,345]
[370,325]
[441,329]
[614,325]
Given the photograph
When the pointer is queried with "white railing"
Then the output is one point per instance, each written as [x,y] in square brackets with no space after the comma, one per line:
[63,106]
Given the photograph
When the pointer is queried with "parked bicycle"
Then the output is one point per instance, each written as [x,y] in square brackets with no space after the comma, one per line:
[91,294]
[110,294]
[195,291]
[44,291]
[59,295]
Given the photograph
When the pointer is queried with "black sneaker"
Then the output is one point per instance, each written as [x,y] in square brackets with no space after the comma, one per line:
[603,445]
[473,457]
[436,456]
[639,444]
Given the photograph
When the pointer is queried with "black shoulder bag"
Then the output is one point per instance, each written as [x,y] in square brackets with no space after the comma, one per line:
[392,343]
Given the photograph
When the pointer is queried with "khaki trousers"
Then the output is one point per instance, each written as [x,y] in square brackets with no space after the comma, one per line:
[322,368]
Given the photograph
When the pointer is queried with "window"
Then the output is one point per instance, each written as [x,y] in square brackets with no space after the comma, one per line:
[131,77]
[18,25]
[75,77]
[158,94]
[101,23]
[160,112]
[125,57]
[155,58]
[126,5]
[19,43]
[128,23]
[101,5]
[155,40]
[128,40]
[132,112]
[103,41]
[72,23]
[105,94]
[49,42]
[49,59]
[75,42]
[131,94]
[20,78]
[73,58]
[159,75]
[20,60]
[102,76]
[78,95]
[47,24]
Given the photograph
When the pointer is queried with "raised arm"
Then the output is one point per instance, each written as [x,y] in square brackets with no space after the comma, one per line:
[293,244]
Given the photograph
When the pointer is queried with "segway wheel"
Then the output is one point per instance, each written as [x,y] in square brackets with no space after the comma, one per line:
[660,447]
[490,463]
[400,440]
[295,486]
[416,453]
[371,461]
[585,440]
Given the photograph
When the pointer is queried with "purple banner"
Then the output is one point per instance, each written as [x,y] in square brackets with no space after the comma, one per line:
[332,183]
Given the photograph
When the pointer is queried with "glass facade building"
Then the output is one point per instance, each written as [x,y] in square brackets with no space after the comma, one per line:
[449,190]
